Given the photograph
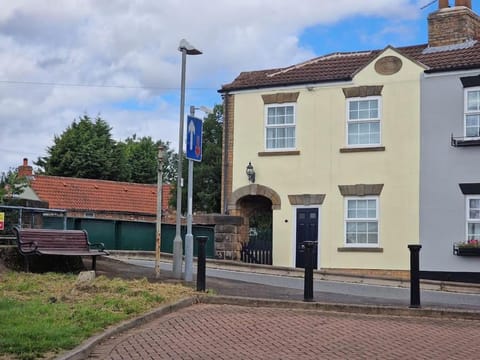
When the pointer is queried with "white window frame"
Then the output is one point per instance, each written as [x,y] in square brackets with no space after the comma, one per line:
[468,220]
[470,112]
[370,120]
[293,125]
[376,219]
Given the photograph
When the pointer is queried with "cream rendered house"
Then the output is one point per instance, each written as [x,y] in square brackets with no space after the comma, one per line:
[335,147]
[334,144]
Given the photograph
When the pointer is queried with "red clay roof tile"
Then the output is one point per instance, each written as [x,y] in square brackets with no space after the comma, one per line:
[99,195]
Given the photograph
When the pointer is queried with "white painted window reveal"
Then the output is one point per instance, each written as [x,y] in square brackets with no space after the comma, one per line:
[472,112]
[361,221]
[363,121]
[280,126]
[473,218]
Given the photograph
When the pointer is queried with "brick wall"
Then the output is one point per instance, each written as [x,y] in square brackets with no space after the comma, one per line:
[450,26]
[227,154]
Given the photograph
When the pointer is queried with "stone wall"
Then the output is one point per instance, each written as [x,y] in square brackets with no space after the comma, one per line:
[228,234]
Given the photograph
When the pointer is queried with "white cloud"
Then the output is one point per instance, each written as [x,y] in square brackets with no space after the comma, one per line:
[134,44]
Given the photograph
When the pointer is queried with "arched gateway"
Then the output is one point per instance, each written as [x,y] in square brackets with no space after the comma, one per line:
[255,203]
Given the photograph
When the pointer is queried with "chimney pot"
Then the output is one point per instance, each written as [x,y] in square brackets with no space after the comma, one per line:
[443,4]
[466,3]
[25,162]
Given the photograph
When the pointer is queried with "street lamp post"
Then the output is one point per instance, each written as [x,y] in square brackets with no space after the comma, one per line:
[186,49]
[158,241]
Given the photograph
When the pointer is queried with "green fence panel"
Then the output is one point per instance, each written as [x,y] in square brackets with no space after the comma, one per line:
[141,236]
[168,235]
[56,222]
[135,236]
[99,231]
[50,222]
[132,235]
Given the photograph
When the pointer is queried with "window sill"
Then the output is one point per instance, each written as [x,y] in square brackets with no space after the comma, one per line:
[464,141]
[279,153]
[362,149]
[466,251]
[360,249]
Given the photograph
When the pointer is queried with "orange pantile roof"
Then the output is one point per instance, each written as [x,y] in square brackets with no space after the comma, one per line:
[98,195]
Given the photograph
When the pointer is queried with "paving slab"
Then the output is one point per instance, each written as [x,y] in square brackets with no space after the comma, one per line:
[271,322]
[213,331]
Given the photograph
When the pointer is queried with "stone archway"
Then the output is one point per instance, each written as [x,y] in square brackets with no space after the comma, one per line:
[253,190]
[255,204]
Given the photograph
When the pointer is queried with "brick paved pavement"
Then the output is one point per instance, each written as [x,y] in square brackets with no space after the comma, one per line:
[207,331]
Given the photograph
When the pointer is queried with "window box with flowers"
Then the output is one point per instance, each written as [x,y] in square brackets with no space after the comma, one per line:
[467,248]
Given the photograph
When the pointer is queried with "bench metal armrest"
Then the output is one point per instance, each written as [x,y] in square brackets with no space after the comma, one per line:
[98,246]
[32,244]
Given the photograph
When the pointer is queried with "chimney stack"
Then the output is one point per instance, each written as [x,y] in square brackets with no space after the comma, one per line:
[25,170]
[453,25]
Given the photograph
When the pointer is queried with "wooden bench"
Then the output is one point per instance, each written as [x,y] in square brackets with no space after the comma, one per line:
[56,242]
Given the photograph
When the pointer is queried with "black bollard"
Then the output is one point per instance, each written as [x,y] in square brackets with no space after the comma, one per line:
[202,241]
[308,279]
[414,275]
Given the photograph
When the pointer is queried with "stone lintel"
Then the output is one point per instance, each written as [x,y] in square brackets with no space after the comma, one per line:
[362,91]
[306,199]
[280,98]
[360,189]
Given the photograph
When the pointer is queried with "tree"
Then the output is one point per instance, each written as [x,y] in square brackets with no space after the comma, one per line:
[170,163]
[11,184]
[207,173]
[141,157]
[85,150]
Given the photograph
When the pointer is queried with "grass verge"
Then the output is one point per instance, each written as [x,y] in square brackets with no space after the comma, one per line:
[43,314]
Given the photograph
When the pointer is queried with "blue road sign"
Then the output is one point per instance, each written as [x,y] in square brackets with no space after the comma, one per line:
[194,138]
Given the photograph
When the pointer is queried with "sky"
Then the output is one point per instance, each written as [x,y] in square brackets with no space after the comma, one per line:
[119,59]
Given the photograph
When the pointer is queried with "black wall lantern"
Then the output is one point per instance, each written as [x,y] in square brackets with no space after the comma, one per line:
[250,172]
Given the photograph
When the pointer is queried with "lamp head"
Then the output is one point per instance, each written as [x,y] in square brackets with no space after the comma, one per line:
[188,48]
[206,110]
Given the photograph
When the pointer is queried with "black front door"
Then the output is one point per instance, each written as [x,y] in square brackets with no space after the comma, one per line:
[307,230]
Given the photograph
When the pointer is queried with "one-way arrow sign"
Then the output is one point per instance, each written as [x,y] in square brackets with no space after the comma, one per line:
[194,138]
